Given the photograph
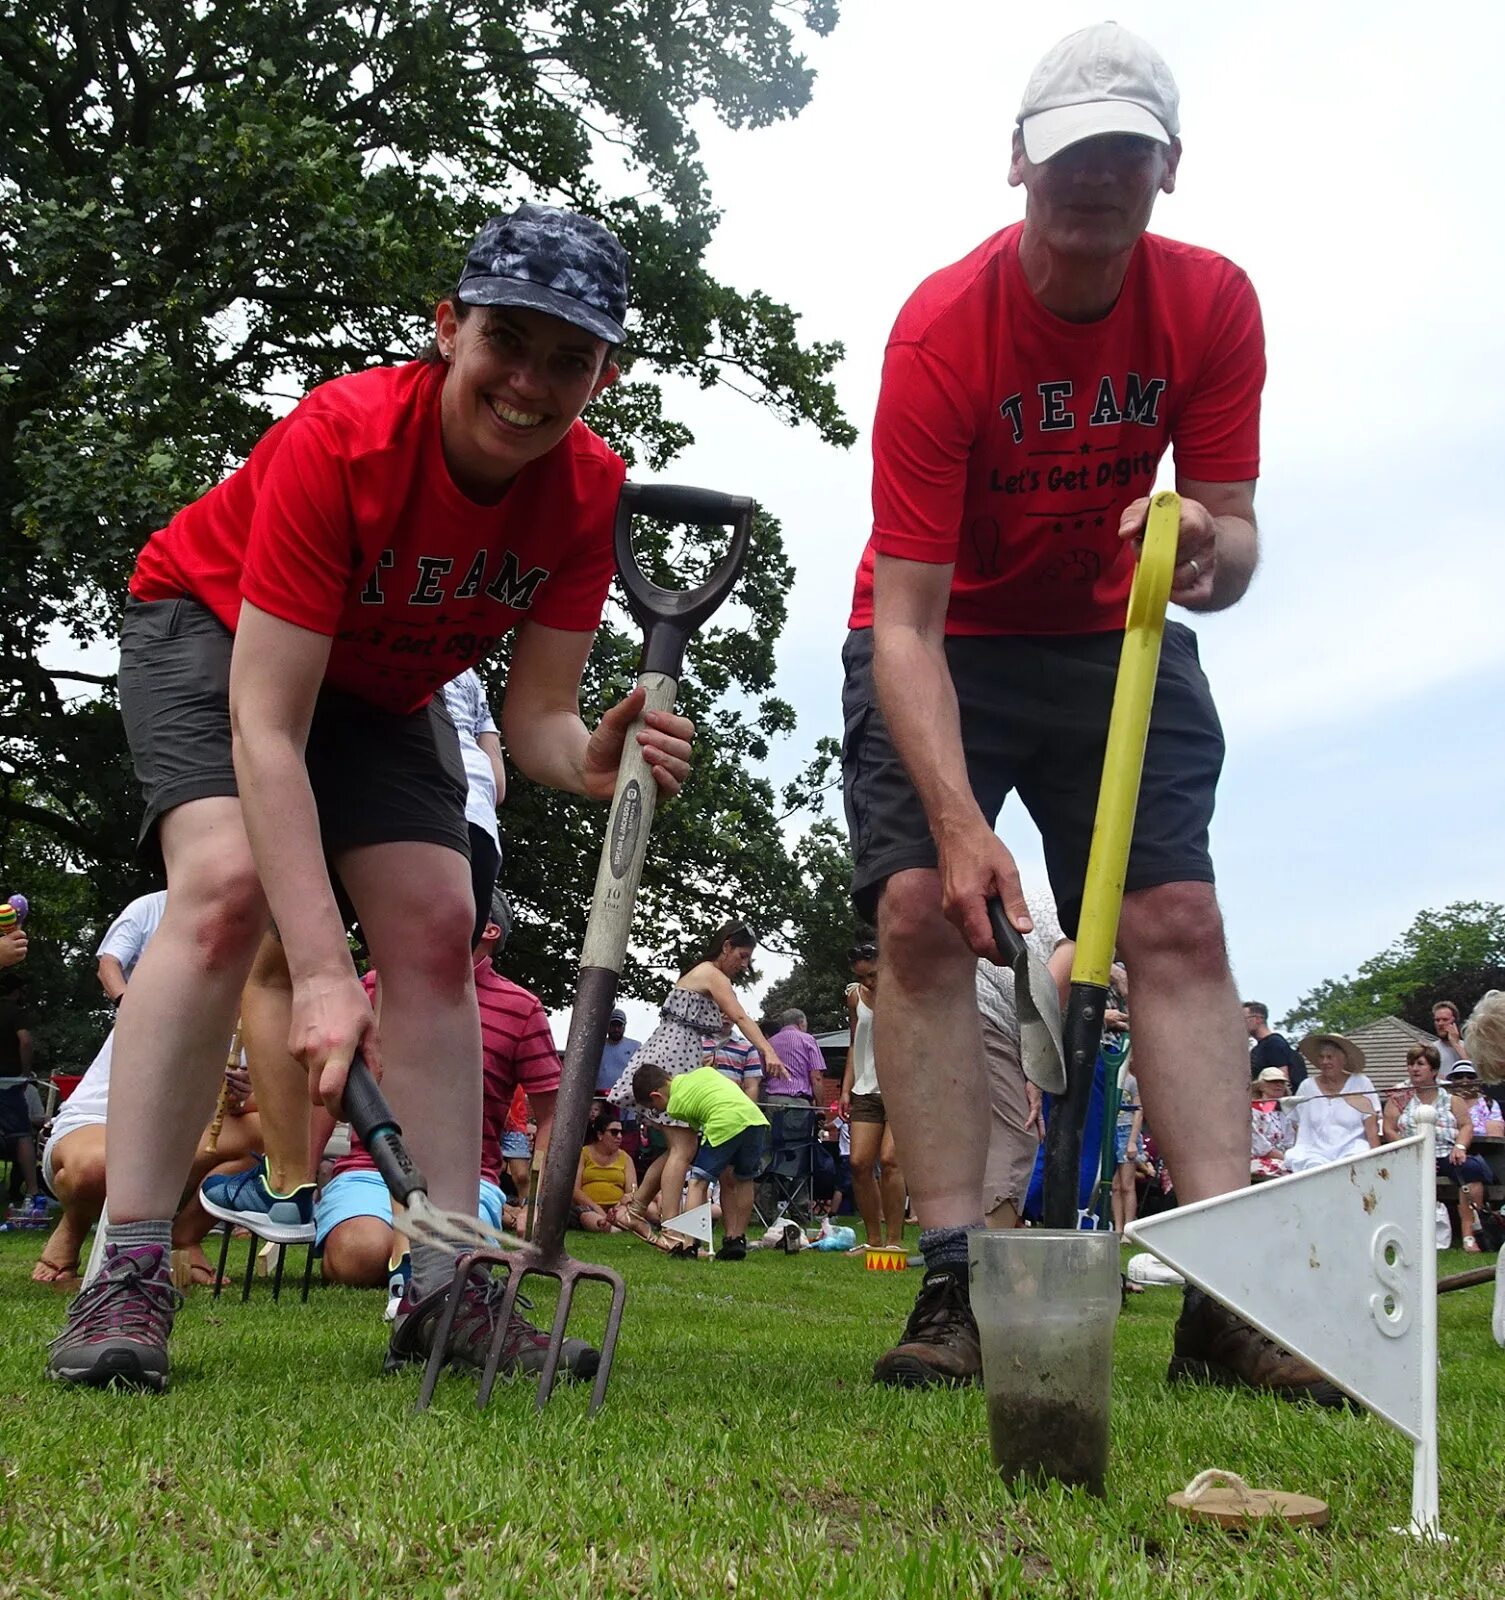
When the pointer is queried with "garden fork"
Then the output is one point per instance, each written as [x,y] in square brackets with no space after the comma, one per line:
[668,619]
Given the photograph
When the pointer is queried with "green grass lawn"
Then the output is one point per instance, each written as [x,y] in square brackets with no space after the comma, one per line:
[742,1453]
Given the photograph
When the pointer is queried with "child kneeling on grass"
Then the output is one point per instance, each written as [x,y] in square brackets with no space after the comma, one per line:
[731,1143]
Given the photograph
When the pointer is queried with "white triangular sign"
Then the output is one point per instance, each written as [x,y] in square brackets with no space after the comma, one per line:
[1337,1265]
[694,1224]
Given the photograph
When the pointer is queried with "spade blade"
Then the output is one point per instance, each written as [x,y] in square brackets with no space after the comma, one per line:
[1038,1003]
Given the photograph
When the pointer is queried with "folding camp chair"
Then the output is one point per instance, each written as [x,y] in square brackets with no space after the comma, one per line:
[785,1183]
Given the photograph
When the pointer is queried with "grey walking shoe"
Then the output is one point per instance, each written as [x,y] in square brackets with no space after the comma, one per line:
[523,1350]
[118,1326]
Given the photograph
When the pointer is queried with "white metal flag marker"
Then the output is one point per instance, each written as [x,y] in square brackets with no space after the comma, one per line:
[1339,1265]
[694,1224]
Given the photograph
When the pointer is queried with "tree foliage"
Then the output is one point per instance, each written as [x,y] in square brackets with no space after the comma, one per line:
[827,929]
[1454,954]
[205,210]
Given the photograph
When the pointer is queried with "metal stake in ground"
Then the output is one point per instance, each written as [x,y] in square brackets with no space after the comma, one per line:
[668,619]
[1112,829]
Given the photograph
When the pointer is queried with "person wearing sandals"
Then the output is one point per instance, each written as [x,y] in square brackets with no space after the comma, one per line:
[877,1182]
[605,1178]
[696,1006]
[1455,1133]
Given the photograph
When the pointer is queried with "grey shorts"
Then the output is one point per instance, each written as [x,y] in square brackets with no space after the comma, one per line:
[378,777]
[1034,717]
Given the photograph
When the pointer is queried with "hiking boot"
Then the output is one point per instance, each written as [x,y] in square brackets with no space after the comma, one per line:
[117,1327]
[940,1343]
[733,1248]
[1215,1346]
[523,1350]
[244,1200]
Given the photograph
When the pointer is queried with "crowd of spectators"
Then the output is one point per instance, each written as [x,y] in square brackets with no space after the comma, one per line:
[1310,1104]
[1335,1111]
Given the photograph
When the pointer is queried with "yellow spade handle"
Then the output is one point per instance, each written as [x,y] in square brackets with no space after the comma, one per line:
[1123,759]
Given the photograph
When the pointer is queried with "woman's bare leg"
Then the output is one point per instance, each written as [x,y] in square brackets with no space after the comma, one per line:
[891,1190]
[867,1139]
[178,1013]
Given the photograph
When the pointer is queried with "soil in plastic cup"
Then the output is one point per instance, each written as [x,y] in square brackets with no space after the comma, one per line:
[1046,1303]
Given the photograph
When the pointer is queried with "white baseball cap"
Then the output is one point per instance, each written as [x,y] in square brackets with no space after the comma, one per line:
[1102,79]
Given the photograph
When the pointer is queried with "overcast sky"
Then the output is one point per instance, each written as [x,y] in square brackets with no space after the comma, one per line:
[1348,157]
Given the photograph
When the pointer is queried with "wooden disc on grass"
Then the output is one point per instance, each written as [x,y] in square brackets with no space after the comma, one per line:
[1238,1506]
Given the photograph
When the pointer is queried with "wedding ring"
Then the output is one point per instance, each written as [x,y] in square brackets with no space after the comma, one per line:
[1196,571]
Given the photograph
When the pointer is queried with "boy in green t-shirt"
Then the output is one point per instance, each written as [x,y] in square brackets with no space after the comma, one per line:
[731,1135]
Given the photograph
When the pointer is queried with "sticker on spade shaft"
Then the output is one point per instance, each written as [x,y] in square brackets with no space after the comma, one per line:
[626,824]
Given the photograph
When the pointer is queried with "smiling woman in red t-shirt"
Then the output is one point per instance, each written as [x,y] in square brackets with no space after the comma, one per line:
[282,642]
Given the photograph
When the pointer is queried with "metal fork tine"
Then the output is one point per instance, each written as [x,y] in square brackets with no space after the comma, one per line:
[609,1338]
[516,1272]
[439,1350]
[550,1371]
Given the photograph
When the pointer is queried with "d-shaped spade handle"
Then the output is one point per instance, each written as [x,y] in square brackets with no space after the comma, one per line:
[669,616]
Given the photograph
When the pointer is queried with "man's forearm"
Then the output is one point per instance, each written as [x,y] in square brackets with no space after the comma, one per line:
[1238,556]
[111,978]
[918,701]
[283,825]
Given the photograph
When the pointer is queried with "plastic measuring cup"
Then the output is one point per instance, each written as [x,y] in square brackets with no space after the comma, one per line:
[1046,1302]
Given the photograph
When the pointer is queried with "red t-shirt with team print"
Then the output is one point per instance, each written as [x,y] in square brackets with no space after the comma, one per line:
[517,1055]
[345,520]
[1009,441]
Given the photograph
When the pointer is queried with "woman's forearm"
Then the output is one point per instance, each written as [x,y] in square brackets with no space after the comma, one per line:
[550,748]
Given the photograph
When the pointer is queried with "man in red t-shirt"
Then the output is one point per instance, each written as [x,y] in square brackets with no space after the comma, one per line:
[281,647]
[1029,392]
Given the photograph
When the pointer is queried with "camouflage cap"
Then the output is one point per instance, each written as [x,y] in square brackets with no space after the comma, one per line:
[553,261]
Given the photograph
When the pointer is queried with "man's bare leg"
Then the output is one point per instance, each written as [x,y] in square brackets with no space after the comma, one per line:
[1191,1061]
[178,1013]
[279,1082]
[358,1253]
[1190,1045]
[928,1044]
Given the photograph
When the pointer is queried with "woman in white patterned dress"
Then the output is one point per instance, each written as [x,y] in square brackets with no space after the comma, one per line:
[693,1009]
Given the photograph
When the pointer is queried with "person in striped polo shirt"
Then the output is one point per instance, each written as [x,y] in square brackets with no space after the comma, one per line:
[353,1218]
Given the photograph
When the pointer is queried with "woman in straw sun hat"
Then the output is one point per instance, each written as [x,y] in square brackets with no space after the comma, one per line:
[1337,1109]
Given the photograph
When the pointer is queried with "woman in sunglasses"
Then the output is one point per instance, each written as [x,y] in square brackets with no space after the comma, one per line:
[1483,1112]
[605,1178]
